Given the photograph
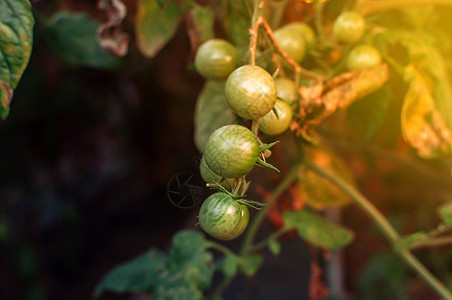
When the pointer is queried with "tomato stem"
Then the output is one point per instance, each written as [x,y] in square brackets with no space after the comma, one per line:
[257,222]
[387,229]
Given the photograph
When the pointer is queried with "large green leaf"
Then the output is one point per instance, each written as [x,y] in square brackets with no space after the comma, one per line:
[212,112]
[72,37]
[368,114]
[182,274]
[139,274]
[317,231]
[189,268]
[155,25]
[16,37]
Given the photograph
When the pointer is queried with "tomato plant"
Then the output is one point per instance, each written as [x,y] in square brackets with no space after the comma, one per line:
[361,89]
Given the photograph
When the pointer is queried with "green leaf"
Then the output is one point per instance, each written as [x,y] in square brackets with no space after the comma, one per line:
[201,28]
[250,264]
[367,114]
[264,164]
[317,231]
[16,37]
[155,26]
[139,274]
[212,112]
[182,274]
[267,146]
[189,265]
[228,265]
[445,213]
[274,247]
[72,37]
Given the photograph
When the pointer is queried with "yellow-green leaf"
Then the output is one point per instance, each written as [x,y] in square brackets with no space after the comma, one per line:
[315,190]
[317,231]
[155,25]
[423,126]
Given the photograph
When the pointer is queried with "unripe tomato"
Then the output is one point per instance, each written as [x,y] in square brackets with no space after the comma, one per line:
[216,59]
[285,89]
[363,57]
[307,32]
[243,222]
[231,151]
[291,40]
[210,176]
[349,27]
[222,217]
[250,91]
[271,125]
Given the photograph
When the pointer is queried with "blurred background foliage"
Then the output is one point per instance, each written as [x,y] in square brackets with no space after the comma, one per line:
[92,141]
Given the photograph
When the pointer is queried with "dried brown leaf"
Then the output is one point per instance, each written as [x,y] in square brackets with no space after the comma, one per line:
[110,34]
[319,102]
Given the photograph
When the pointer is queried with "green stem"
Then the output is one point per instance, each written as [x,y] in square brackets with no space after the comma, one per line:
[318,21]
[432,242]
[221,248]
[388,231]
[275,235]
[223,285]
[282,186]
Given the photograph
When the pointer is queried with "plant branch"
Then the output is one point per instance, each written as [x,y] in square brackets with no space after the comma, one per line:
[275,235]
[432,242]
[221,248]
[282,186]
[388,231]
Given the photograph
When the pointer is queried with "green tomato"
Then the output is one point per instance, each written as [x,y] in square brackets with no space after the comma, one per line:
[307,32]
[231,151]
[210,176]
[285,89]
[363,57]
[243,222]
[222,217]
[272,125]
[349,27]
[250,91]
[291,40]
[216,59]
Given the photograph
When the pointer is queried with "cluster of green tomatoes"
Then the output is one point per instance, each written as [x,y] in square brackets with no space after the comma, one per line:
[253,94]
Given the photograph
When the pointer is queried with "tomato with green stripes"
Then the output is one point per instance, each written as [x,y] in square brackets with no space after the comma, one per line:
[222,217]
